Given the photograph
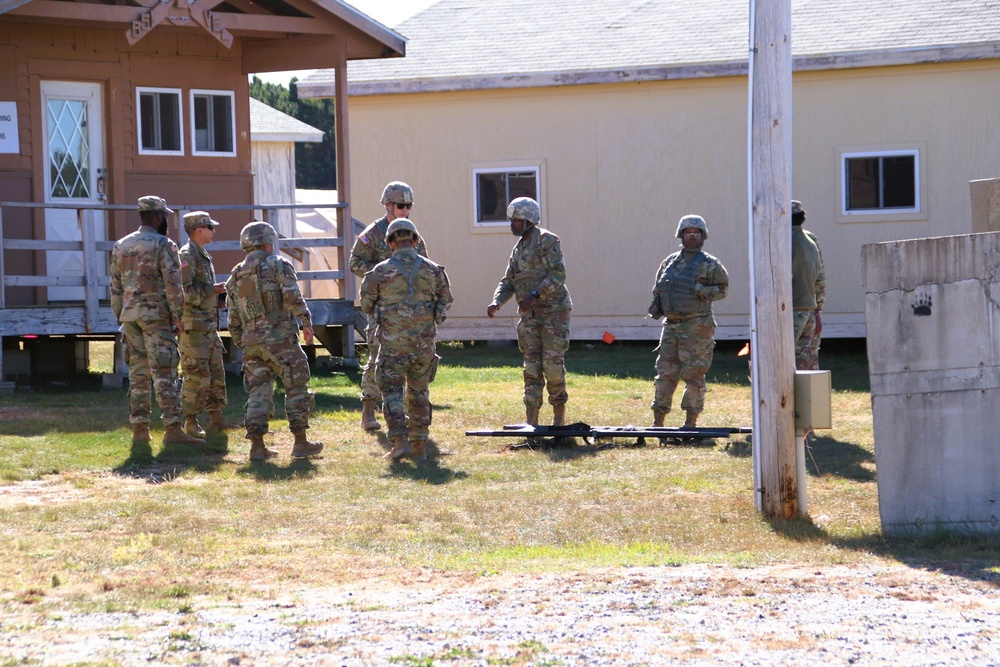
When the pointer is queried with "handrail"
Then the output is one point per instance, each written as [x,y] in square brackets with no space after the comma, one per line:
[90,246]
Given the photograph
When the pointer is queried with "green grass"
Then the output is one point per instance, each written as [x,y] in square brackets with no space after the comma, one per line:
[114,527]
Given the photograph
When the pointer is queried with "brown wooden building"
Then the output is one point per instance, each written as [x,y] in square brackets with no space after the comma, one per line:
[101,103]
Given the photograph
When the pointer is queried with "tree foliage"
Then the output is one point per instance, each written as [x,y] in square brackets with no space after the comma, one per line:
[315,163]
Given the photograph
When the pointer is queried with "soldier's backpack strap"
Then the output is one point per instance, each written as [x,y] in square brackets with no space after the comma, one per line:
[411,274]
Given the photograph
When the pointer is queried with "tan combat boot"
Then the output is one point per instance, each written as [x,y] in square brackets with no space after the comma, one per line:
[259,452]
[220,423]
[418,451]
[140,432]
[368,420]
[658,417]
[530,415]
[303,448]
[175,435]
[193,428]
[559,415]
[692,419]
[400,448]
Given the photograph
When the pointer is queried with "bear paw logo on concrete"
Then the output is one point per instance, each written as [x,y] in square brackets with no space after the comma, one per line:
[923,306]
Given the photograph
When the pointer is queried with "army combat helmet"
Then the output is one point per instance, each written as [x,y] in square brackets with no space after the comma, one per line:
[257,234]
[692,222]
[397,192]
[400,225]
[525,208]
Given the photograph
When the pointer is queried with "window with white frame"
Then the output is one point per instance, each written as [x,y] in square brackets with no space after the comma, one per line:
[158,115]
[213,125]
[495,187]
[881,182]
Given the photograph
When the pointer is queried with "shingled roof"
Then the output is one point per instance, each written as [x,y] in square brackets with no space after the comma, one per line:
[269,124]
[469,44]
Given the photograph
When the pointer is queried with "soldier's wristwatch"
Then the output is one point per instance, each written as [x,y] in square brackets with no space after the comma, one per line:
[534,293]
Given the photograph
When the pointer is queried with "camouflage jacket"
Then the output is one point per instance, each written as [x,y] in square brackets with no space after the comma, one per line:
[146,278]
[201,303]
[808,275]
[687,283]
[410,295]
[370,248]
[265,301]
[536,264]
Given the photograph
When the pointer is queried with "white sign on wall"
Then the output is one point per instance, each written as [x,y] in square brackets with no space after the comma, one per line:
[8,128]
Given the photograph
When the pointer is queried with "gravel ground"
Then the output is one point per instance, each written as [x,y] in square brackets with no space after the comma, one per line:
[690,615]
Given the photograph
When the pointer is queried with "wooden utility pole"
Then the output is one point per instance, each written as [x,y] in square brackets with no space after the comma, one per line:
[772,372]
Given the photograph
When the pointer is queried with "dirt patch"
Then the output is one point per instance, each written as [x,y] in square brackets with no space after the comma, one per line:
[693,615]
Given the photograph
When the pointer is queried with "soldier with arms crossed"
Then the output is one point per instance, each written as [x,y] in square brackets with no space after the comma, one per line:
[203,379]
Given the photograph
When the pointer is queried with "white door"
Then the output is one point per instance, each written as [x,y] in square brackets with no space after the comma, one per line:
[74,174]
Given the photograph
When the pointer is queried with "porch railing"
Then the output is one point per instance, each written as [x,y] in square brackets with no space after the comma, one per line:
[95,251]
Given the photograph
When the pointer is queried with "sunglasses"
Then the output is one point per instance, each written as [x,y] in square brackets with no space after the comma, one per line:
[410,205]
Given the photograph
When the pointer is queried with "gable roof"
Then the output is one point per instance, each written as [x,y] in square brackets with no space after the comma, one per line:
[269,124]
[276,35]
[470,44]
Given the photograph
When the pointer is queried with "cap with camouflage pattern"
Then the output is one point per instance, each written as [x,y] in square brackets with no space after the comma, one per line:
[153,203]
[257,234]
[797,207]
[196,219]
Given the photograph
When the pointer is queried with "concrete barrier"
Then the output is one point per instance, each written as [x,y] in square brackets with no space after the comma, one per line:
[932,312]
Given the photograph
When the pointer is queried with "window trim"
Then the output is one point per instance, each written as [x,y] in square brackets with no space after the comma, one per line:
[179,93]
[503,167]
[201,92]
[917,212]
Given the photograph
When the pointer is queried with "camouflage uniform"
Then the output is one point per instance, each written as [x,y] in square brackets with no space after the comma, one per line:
[146,298]
[203,385]
[409,295]
[369,249]
[537,265]
[686,284]
[814,342]
[264,303]
[808,292]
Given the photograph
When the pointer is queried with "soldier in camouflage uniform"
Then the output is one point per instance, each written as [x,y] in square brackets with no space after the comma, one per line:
[686,284]
[264,304]
[369,249]
[808,291]
[536,278]
[409,295]
[147,300]
[203,378]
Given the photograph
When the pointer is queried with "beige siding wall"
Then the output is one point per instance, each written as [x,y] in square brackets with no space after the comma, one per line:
[621,164]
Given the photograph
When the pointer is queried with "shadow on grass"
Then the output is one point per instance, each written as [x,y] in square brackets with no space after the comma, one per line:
[972,557]
[824,456]
[172,459]
[271,471]
[430,471]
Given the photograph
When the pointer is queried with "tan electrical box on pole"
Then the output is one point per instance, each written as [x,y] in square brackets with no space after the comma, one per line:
[813,390]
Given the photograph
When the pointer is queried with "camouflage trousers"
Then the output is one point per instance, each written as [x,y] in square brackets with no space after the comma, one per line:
[804,322]
[261,364]
[151,354]
[543,340]
[369,386]
[203,378]
[685,353]
[404,378]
